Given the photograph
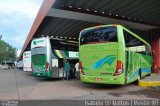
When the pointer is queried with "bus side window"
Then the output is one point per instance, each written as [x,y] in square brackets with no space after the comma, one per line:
[148,50]
[130,40]
[135,45]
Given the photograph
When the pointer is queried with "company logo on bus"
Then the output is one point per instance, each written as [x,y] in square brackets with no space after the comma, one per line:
[26,54]
[36,42]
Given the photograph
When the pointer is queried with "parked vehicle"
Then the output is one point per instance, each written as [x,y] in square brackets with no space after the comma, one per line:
[8,65]
[19,64]
[112,54]
[48,56]
[27,61]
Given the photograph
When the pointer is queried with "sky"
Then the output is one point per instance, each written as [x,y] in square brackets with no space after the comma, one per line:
[16,19]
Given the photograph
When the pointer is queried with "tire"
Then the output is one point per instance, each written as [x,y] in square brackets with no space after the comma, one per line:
[148,74]
[139,77]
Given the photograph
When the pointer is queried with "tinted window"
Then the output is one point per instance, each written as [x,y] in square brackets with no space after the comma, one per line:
[104,34]
[41,50]
[135,45]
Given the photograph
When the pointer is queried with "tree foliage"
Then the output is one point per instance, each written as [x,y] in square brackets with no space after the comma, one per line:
[7,52]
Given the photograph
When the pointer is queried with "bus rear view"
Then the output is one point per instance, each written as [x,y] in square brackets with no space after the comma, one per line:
[48,56]
[39,57]
[100,59]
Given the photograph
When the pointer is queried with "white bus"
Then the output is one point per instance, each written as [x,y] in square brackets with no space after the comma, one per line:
[19,64]
[27,61]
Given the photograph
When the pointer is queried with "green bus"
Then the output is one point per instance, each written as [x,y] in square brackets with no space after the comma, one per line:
[112,54]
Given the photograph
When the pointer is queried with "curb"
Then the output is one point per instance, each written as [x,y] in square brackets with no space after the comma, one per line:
[148,83]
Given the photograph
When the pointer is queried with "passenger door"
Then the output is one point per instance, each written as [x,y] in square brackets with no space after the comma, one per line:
[55,68]
[127,66]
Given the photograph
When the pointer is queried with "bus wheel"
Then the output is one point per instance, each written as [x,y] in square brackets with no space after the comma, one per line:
[139,77]
[149,74]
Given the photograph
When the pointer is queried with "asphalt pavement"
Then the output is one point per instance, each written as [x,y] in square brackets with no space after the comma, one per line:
[18,85]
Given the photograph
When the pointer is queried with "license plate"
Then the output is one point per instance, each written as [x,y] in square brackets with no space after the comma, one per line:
[98,79]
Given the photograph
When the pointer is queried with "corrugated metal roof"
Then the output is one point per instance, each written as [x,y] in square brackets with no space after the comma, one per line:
[143,11]
[138,11]
[62,27]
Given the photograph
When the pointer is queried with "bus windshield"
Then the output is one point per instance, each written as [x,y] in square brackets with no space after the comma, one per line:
[99,35]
